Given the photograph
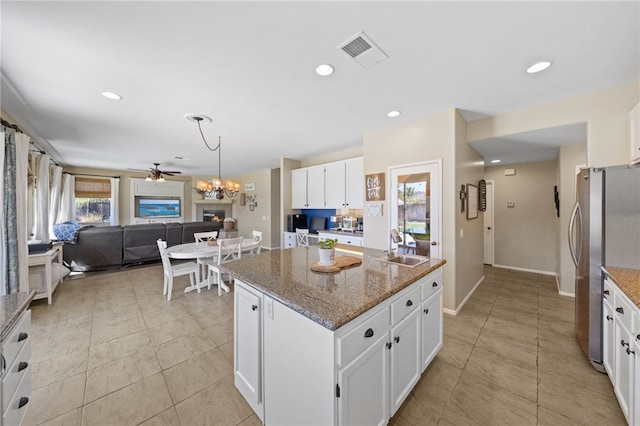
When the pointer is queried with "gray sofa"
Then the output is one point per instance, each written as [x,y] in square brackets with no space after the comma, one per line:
[108,247]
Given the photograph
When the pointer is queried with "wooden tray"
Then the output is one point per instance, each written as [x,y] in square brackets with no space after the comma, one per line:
[342,262]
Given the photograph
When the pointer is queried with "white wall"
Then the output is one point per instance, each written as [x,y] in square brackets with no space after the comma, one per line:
[525,235]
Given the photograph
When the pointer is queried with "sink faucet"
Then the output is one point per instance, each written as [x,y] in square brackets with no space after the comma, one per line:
[395,238]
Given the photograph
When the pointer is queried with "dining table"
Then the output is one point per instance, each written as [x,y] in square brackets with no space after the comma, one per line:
[204,249]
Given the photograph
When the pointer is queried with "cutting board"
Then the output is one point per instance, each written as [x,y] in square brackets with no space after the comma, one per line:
[342,262]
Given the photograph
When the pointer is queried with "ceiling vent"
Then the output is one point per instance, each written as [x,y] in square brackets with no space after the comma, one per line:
[363,50]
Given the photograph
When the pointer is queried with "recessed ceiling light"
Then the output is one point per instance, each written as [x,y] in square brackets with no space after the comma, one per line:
[495,161]
[540,66]
[324,70]
[112,95]
[393,113]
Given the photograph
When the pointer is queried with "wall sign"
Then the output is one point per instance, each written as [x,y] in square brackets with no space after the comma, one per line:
[374,187]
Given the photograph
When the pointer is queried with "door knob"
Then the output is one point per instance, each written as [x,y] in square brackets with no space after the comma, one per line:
[488,228]
[434,243]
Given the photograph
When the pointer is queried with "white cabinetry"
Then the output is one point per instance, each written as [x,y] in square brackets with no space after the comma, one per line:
[46,271]
[16,376]
[621,353]
[307,188]
[351,240]
[333,185]
[299,372]
[635,134]
[170,189]
[248,346]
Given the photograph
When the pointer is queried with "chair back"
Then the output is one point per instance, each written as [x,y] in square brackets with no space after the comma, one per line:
[229,249]
[166,263]
[302,237]
[204,236]
[257,236]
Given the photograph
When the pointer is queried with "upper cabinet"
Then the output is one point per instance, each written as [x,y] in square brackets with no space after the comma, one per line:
[335,185]
[635,134]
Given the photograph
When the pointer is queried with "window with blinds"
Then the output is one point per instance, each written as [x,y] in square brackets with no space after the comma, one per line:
[93,200]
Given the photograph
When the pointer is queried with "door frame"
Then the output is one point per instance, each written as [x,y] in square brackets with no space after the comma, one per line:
[492,236]
[392,190]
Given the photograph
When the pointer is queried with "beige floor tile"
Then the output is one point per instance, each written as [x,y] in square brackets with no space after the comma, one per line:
[475,401]
[514,314]
[173,330]
[507,347]
[171,313]
[227,351]
[196,374]
[204,301]
[71,418]
[120,327]
[166,418]
[252,420]
[47,344]
[184,348]
[220,313]
[56,369]
[120,373]
[517,376]
[130,405]
[221,332]
[219,404]
[511,329]
[455,352]
[463,328]
[113,350]
[56,399]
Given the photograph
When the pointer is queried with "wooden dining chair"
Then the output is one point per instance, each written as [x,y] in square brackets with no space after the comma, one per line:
[228,249]
[204,237]
[257,237]
[171,271]
[302,237]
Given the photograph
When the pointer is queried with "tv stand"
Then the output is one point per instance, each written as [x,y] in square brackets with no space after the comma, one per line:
[170,188]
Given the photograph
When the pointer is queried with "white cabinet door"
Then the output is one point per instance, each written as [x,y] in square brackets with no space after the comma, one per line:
[636,360]
[299,189]
[624,359]
[405,358]
[248,345]
[363,387]
[635,134]
[431,328]
[608,340]
[354,183]
[315,187]
[335,188]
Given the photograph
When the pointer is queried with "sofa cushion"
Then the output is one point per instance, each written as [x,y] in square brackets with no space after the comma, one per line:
[140,242]
[189,228]
[96,249]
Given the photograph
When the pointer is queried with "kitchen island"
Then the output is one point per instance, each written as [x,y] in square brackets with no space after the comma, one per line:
[340,348]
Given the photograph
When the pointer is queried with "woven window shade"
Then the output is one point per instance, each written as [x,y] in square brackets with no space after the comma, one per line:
[92,187]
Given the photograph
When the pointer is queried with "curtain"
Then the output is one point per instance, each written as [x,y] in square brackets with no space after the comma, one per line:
[41,231]
[13,233]
[115,201]
[67,211]
[54,202]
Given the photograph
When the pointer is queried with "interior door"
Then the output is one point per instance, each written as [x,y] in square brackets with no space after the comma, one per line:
[488,227]
[416,208]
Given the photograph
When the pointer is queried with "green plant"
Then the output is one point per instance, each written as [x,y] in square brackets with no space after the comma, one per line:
[328,243]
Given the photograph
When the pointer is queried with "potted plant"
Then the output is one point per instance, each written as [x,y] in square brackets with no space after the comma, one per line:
[327,251]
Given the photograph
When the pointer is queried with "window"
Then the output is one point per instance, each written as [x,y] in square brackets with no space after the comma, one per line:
[93,200]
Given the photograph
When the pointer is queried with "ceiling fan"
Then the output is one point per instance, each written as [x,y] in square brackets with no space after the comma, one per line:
[157,175]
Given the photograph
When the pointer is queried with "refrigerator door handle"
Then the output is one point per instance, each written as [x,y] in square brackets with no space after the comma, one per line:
[575,215]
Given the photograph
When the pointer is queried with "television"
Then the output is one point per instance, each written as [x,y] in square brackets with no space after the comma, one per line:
[147,206]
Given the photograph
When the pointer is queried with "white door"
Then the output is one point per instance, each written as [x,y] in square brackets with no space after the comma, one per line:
[416,209]
[488,226]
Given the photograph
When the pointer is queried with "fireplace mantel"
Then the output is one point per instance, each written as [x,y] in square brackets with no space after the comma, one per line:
[198,207]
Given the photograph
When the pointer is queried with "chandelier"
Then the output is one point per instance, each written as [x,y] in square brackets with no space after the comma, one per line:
[214,188]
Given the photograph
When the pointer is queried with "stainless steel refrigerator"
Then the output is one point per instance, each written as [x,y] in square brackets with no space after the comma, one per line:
[604,229]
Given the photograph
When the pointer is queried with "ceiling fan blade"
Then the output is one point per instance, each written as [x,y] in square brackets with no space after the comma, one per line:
[169,173]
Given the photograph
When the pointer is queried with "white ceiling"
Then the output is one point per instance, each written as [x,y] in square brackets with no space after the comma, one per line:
[250,66]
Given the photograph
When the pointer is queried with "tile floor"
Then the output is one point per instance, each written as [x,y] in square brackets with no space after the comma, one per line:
[111,351]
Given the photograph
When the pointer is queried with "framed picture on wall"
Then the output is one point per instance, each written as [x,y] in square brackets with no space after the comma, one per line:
[472,201]
[374,187]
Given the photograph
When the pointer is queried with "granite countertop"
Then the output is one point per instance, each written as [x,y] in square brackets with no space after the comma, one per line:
[11,306]
[628,280]
[330,299]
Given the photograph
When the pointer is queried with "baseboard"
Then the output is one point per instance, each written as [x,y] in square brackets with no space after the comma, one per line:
[564,293]
[515,268]
[455,312]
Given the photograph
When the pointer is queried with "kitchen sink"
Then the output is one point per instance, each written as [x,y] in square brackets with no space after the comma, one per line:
[406,260]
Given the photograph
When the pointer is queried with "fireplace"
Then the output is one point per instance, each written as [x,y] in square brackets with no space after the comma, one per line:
[213,215]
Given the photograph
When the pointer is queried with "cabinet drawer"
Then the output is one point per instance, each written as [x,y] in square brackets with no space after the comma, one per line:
[362,336]
[17,338]
[623,310]
[608,292]
[405,304]
[431,284]
[17,405]
[14,373]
